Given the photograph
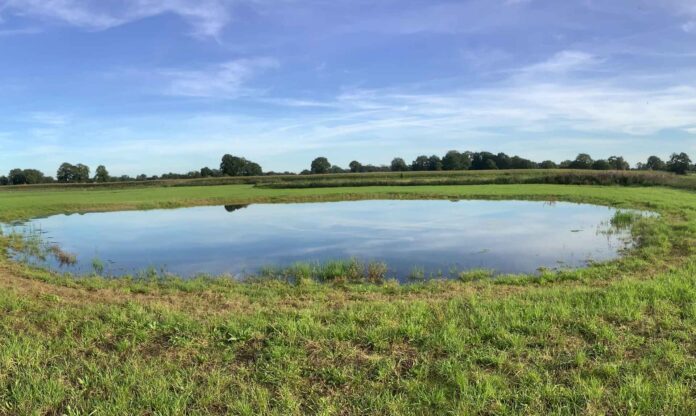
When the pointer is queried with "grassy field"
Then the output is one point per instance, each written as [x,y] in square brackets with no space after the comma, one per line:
[615,338]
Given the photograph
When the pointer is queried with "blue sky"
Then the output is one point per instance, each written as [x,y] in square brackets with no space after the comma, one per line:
[147,86]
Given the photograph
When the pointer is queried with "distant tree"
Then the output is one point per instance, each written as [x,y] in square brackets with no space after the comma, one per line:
[232,165]
[238,166]
[398,165]
[454,160]
[489,164]
[655,163]
[141,177]
[336,169]
[17,177]
[81,173]
[582,161]
[206,172]
[34,176]
[566,164]
[65,173]
[483,161]
[618,163]
[517,162]
[26,177]
[101,174]
[679,163]
[4,181]
[502,161]
[601,164]
[306,172]
[253,169]
[355,166]
[548,164]
[434,163]
[421,163]
[68,173]
[373,168]
[320,166]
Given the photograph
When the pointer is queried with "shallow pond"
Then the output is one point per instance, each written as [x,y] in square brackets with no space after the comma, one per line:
[414,238]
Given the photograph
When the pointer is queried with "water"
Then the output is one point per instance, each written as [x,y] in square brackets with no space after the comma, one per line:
[434,236]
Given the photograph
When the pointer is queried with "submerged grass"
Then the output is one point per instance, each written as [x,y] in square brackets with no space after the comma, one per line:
[613,338]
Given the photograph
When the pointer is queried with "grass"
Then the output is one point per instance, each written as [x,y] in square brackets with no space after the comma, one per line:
[486,177]
[614,338]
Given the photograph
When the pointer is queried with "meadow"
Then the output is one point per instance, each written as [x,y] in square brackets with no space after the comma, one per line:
[613,338]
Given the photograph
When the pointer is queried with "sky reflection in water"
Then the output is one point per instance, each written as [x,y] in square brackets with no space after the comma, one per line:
[505,236]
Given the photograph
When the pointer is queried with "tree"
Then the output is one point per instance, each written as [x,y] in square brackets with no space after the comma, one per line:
[65,172]
[601,164]
[421,163]
[17,177]
[320,166]
[502,161]
[4,181]
[238,166]
[434,163]
[517,162]
[232,165]
[655,163]
[548,164]
[81,173]
[336,169]
[452,161]
[483,161]
[679,163]
[68,173]
[618,163]
[582,161]
[355,166]
[489,164]
[398,165]
[26,177]
[34,176]
[101,175]
[206,172]
[252,169]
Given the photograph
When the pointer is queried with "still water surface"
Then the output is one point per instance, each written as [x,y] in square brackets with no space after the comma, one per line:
[433,236]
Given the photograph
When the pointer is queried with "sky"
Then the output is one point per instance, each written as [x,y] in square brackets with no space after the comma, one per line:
[146,86]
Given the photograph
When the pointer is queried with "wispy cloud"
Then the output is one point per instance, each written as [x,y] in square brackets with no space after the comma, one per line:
[207,17]
[564,61]
[225,80]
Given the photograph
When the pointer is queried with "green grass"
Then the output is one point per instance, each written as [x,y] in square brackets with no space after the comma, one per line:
[614,338]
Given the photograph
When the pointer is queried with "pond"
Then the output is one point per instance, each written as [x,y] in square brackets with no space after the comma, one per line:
[423,238]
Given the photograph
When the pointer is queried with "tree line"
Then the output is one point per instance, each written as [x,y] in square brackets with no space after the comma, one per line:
[230,165]
[679,163]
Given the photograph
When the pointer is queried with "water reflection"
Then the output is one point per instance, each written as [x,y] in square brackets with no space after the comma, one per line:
[432,237]
[233,208]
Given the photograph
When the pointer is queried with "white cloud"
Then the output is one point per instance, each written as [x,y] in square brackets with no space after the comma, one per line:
[223,81]
[207,17]
[564,61]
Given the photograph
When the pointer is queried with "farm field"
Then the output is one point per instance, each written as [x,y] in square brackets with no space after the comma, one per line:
[613,338]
